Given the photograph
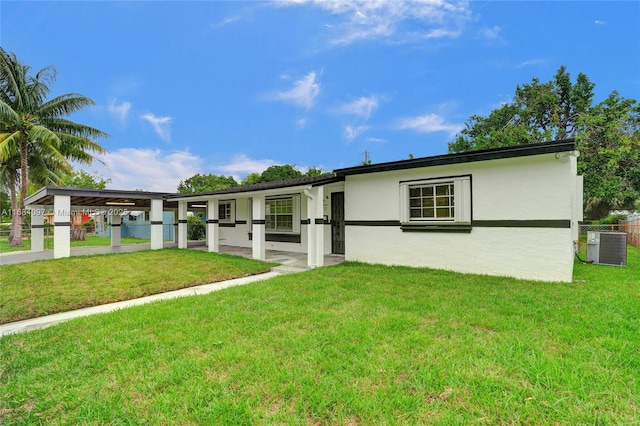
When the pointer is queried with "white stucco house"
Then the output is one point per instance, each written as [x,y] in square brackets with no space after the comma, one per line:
[508,212]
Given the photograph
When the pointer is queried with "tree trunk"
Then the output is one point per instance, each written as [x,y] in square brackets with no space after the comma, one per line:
[16,241]
[15,235]
[14,208]
[78,233]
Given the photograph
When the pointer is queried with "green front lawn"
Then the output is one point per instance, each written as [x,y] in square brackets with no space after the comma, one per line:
[35,289]
[91,241]
[349,344]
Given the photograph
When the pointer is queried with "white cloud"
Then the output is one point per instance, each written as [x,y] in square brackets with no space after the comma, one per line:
[531,63]
[350,132]
[120,112]
[160,125]
[161,171]
[441,33]
[599,22]
[362,107]
[491,34]
[370,20]
[301,123]
[147,169]
[375,140]
[226,21]
[429,123]
[241,165]
[303,93]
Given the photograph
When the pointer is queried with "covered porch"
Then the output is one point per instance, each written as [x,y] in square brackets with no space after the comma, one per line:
[300,217]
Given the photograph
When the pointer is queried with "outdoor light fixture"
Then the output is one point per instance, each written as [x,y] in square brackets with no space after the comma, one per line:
[198,205]
[118,203]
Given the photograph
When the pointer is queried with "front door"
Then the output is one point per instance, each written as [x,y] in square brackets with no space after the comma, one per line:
[337,222]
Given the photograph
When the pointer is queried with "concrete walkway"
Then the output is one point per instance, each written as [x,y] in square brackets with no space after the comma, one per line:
[290,262]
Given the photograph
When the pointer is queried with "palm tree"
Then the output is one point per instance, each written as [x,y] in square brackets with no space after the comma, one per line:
[36,131]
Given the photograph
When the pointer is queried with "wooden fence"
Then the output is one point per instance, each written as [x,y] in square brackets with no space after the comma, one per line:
[632,228]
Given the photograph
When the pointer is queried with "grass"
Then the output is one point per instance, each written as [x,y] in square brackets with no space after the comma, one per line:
[35,289]
[349,344]
[91,240]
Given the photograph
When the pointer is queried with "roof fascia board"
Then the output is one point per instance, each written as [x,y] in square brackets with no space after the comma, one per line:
[466,157]
[243,194]
[88,192]
[225,194]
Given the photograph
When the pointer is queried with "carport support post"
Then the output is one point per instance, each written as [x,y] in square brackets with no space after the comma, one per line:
[182,224]
[37,228]
[155,216]
[258,228]
[212,225]
[61,226]
[116,229]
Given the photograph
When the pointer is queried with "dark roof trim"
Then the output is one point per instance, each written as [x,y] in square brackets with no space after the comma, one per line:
[99,193]
[312,181]
[465,157]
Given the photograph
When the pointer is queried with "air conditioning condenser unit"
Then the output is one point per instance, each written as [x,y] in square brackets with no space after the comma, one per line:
[607,248]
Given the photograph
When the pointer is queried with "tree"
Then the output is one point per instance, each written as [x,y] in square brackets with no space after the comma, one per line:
[250,179]
[279,173]
[206,183]
[83,179]
[43,170]
[610,155]
[314,171]
[36,130]
[606,134]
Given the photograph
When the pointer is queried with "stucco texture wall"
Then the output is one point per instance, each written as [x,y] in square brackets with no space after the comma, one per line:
[537,188]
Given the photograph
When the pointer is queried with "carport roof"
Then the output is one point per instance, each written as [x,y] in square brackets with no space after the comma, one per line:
[98,197]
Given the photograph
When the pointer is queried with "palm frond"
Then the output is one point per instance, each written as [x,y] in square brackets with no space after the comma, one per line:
[7,114]
[62,125]
[10,146]
[73,145]
[64,105]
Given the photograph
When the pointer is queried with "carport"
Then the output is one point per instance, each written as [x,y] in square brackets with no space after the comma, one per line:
[66,202]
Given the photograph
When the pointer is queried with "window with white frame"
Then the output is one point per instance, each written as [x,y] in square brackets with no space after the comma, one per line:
[436,201]
[282,215]
[226,211]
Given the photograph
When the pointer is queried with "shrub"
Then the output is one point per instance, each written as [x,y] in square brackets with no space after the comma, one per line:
[196,229]
[611,220]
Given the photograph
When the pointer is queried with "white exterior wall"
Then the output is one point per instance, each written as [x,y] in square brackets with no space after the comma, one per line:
[525,188]
[238,235]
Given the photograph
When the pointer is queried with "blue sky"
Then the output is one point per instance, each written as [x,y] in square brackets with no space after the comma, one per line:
[234,87]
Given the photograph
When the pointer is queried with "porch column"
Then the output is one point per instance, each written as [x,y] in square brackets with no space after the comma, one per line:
[315,230]
[311,228]
[319,219]
[175,226]
[116,229]
[155,216]
[182,224]
[212,226]
[61,226]
[37,228]
[258,228]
